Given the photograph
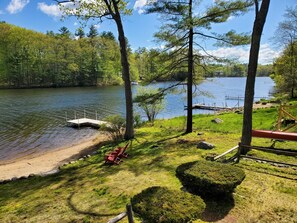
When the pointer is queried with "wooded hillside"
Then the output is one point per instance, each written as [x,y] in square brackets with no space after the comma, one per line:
[32,59]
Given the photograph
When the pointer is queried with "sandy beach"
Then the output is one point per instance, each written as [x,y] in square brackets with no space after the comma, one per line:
[48,162]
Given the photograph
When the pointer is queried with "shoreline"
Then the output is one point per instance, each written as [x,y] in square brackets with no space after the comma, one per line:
[49,161]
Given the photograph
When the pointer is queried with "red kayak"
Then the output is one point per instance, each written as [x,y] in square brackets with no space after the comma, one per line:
[292,136]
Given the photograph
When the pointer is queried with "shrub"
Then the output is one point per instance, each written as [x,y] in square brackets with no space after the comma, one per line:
[159,204]
[209,178]
[115,127]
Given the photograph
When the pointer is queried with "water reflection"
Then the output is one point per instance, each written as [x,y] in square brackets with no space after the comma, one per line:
[33,120]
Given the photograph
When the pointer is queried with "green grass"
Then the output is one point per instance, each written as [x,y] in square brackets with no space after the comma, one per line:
[89,191]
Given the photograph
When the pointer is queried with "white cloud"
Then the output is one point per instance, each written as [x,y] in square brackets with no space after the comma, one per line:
[266,55]
[139,4]
[231,18]
[50,10]
[16,6]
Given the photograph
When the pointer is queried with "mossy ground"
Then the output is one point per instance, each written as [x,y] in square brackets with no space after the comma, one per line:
[89,191]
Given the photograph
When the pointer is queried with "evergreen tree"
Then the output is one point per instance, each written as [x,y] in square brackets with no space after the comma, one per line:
[93,32]
[64,31]
[184,27]
[108,35]
[80,33]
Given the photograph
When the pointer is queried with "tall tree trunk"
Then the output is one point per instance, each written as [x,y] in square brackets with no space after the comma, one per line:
[190,74]
[129,133]
[259,22]
[292,69]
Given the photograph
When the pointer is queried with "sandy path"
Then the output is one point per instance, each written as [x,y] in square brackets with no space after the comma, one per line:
[48,162]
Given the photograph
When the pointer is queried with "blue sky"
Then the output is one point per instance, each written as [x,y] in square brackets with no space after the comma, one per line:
[44,15]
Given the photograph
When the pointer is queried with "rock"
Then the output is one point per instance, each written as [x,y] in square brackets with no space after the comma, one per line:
[217,120]
[14,179]
[205,145]
[200,133]
[81,159]
[31,175]
[88,156]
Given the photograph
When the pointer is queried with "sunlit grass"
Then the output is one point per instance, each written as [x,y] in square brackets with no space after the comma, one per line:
[89,191]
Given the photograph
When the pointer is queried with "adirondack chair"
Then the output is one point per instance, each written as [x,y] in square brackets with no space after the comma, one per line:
[112,158]
[122,151]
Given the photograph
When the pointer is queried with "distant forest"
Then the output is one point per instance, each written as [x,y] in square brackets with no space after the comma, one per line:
[31,59]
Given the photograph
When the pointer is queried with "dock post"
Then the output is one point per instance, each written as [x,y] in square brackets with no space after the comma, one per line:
[74,114]
[96,115]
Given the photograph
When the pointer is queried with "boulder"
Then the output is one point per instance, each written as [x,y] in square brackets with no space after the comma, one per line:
[205,145]
[217,120]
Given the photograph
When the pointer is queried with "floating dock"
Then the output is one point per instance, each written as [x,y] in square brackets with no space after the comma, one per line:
[86,122]
[212,108]
[241,98]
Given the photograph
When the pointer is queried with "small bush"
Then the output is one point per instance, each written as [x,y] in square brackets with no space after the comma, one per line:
[115,127]
[209,178]
[159,204]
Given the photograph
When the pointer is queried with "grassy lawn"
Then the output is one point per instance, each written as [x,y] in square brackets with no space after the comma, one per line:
[89,191]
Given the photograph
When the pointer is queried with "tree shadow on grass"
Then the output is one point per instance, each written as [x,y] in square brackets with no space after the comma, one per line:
[217,208]
[90,213]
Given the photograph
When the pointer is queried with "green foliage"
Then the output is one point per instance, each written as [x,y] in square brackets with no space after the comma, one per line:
[210,178]
[115,126]
[180,19]
[153,157]
[160,204]
[93,32]
[285,68]
[236,70]
[31,59]
[151,101]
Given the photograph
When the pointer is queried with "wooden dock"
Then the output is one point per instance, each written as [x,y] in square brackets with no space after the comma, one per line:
[241,98]
[86,122]
[212,108]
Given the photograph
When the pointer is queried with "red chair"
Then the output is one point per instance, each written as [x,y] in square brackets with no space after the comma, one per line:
[112,158]
[122,151]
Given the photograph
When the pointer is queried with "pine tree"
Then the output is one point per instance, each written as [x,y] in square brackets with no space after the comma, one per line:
[184,28]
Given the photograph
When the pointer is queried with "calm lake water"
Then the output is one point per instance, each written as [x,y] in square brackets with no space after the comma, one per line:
[33,120]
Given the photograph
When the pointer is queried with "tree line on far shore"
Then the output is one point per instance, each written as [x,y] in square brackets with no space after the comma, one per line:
[32,59]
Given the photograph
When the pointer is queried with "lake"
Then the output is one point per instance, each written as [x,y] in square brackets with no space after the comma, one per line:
[33,120]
